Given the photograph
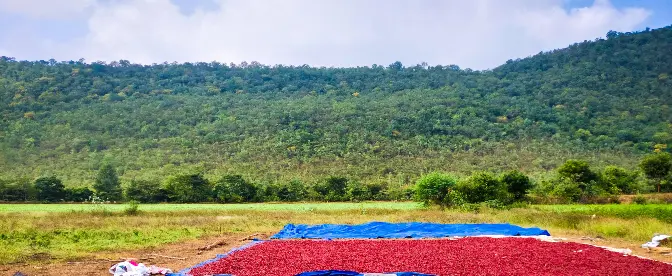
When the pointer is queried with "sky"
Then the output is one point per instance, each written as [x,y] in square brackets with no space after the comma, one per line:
[477,34]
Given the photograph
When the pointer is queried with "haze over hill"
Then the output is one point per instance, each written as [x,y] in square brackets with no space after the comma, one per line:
[605,100]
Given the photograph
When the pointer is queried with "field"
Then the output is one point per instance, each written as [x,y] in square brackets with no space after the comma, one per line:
[57,233]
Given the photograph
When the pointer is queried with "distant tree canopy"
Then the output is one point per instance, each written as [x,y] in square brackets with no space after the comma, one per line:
[611,95]
[107,184]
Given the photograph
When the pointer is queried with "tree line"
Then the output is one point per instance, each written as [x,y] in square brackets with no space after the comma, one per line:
[574,181]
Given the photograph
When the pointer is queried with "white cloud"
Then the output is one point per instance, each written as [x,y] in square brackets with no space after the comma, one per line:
[478,34]
[45,8]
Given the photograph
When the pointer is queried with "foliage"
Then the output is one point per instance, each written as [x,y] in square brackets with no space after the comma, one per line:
[578,171]
[517,184]
[292,191]
[146,191]
[79,194]
[17,190]
[605,100]
[107,183]
[333,188]
[49,189]
[621,179]
[233,188]
[657,167]
[132,209]
[439,189]
[482,187]
[187,188]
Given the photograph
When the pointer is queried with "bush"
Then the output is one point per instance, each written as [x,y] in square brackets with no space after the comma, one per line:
[268,193]
[145,191]
[579,172]
[233,188]
[621,179]
[357,192]
[332,189]
[566,189]
[439,189]
[188,188]
[482,186]
[292,191]
[401,193]
[517,184]
[17,190]
[80,194]
[132,209]
[49,189]
[639,199]
[378,191]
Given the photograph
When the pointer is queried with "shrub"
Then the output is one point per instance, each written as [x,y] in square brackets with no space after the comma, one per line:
[579,172]
[80,194]
[517,184]
[566,189]
[357,192]
[378,191]
[437,188]
[49,189]
[132,209]
[333,188]
[17,190]
[233,188]
[619,178]
[482,186]
[187,188]
[146,191]
[292,191]
[268,193]
[657,166]
[639,199]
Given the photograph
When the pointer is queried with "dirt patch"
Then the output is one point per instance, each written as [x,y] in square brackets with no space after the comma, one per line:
[174,256]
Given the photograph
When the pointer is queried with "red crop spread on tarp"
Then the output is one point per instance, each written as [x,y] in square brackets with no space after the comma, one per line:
[465,256]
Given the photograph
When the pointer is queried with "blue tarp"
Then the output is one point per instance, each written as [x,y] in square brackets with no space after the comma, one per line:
[373,230]
[352,273]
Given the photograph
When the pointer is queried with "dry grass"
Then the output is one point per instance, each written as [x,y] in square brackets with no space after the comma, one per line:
[72,235]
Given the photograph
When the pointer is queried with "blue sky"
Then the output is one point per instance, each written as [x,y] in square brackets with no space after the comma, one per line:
[477,34]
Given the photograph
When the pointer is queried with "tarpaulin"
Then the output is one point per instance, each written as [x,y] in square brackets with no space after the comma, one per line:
[352,273]
[373,230]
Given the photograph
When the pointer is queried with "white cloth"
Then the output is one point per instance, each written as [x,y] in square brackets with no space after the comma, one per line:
[655,242]
[128,269]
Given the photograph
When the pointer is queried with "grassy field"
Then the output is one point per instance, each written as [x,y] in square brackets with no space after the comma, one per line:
[334,206]
[73,231]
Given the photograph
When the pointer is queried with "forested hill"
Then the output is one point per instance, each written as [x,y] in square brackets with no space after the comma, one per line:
[605,101]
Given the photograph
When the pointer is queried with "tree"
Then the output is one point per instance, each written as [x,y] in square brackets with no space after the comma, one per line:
[187,188]
[578,171]
[49,189]
[437,188]
[333,188]
[620,178]
[517,184]
[292,191]
[482,187]
[107,184]
[80,194]
[145,191]
[234,188]
[657,166]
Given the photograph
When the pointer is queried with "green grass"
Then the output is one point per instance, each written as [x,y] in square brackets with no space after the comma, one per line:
[72,231]
[662,212]
[334,206]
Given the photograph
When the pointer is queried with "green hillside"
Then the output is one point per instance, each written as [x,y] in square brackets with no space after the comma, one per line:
[606,101]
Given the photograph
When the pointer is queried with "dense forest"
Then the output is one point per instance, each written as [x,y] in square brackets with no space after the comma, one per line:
[606,101]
